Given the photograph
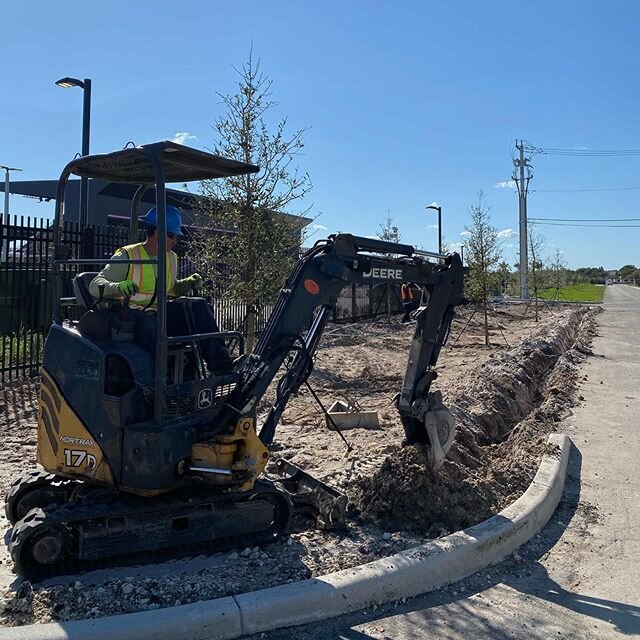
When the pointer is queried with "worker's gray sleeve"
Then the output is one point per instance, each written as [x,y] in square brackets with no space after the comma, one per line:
[110,276]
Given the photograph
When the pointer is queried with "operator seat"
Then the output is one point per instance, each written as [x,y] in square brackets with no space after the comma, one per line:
[81,283]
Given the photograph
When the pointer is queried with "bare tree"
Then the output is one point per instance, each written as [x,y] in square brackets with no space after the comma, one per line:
[558,268]
[536,247]
[249,239]
[389,233]
[483,254]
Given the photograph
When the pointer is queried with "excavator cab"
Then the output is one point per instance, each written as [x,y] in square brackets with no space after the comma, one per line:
[130,407]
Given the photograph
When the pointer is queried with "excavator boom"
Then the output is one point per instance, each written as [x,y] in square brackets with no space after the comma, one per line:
[311,292]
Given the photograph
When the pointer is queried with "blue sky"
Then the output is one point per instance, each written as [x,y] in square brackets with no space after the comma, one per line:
[407,102]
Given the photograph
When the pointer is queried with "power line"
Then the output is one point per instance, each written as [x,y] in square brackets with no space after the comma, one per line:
[557,151]
[588,219]
[601,226]
[574,190]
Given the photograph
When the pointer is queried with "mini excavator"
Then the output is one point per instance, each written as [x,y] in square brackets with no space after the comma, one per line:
[145,454]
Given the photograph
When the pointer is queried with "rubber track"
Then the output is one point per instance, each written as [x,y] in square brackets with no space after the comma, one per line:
[30,481]
[71,516]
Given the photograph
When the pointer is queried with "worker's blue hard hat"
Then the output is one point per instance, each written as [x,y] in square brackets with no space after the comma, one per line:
[174,221]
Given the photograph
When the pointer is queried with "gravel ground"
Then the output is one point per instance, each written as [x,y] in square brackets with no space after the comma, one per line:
[505,398]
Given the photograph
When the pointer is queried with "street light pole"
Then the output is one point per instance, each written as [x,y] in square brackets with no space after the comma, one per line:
[85,85]
[84,182]
[7,186]
[436,207]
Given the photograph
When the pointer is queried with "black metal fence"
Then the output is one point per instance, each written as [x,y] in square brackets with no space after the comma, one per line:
[26,248]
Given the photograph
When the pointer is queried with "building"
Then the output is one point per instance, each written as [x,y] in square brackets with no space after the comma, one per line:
[109,202]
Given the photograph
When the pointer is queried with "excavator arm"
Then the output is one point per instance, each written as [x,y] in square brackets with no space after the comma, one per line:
[308,299]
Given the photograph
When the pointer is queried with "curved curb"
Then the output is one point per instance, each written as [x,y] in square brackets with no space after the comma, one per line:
[406,574]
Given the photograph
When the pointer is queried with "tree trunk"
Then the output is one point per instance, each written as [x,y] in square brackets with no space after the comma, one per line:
[486,324]
[251,328]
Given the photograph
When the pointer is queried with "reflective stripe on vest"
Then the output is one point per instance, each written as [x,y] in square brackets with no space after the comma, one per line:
[406,291]
[144,275]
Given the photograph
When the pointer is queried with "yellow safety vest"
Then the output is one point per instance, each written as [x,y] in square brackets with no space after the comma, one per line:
[144,276]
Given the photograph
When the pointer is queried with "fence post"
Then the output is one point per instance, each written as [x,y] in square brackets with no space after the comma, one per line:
[354,306]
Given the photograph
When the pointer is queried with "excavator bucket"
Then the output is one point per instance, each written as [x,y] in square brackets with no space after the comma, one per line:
[435,428]
[440,427]
[311,496]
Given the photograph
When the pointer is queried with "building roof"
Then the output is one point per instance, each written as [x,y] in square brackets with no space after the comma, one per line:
[46,190]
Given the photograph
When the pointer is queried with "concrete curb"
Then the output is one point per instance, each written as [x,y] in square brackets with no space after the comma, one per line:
[406,574]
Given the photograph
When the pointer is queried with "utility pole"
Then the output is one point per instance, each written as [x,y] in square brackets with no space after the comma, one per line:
[522,182]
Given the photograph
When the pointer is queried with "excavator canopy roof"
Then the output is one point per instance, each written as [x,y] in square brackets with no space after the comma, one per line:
[180,164]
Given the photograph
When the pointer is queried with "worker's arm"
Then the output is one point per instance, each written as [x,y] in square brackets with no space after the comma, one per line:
[185,286]
[111,276]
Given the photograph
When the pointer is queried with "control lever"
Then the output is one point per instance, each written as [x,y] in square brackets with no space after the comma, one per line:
[99,300]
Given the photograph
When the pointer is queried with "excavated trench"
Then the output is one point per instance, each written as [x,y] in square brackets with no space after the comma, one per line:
[503,415]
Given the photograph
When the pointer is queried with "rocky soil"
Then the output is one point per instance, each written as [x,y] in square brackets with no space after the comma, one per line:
[506,399]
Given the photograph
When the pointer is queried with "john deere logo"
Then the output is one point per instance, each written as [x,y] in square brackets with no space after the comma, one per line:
[205,398]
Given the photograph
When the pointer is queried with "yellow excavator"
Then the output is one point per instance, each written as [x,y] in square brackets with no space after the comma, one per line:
[150,453]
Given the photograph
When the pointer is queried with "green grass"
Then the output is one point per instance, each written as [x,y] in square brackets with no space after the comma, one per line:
[575,293]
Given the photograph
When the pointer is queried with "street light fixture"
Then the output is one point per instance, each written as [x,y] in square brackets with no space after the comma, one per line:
[85,85]
[436,207]
[7,187]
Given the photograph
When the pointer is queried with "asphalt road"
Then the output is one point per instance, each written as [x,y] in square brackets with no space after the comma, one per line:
[580,578]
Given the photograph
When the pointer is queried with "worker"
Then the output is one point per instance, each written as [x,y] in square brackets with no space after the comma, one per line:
[408,301]
[137,283]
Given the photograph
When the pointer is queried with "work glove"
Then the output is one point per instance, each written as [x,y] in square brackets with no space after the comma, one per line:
[128,288]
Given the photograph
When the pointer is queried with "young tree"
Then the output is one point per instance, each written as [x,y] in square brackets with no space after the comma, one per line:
[389,233]
[483,254]
[536,247]
[505,275]
[558,268]
[249,237]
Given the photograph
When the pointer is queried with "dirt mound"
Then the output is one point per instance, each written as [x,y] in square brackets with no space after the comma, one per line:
[503,415]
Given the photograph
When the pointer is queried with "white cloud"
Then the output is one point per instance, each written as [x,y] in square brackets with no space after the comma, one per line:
[507,233]
[505,184]
[466,234]
[319,227]
[431,226]
[182,136]
[453,246]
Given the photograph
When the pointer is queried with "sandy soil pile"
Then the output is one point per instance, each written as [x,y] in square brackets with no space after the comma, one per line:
[491,463]
[505,400]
